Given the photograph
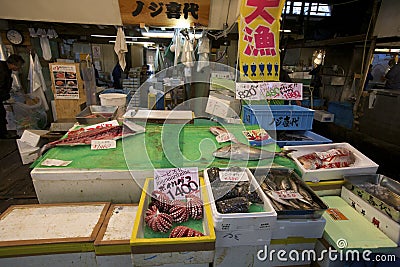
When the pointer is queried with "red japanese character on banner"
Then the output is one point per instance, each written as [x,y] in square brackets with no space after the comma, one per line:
[265,40]
[260,10]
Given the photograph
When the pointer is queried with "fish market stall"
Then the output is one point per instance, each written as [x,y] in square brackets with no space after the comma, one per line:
[107,175]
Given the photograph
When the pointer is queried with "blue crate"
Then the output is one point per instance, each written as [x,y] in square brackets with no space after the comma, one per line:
[343,113]
[279,117]
[316,139]
[317,102]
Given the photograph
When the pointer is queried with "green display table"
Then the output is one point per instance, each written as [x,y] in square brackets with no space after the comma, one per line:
[107,175]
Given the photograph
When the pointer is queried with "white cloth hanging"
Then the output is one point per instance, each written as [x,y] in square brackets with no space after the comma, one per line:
[45,44]
[187,54]
[177,45]
[120,47]
[204,50]
[36,81]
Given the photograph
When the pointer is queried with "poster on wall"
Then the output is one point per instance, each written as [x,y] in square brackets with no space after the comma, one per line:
[259,39]
[65,81]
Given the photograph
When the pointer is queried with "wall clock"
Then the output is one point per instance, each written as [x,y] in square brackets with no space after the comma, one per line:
[14,37]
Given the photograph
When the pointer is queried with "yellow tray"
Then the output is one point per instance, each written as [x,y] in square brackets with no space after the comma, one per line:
[141,245]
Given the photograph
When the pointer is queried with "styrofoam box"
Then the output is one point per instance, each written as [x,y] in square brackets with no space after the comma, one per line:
[247,255]
[242,238]
[27,152]
[32,137]
[243,221]
[51,234]
[384,223]
[112,245]
[362,164]
[323,116]
[305,228]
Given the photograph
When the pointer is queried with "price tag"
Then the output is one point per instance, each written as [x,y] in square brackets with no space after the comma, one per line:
[287,194]
[231,176]
[248,91]
[256,135]
[283,91]
[177,182]
[102,144]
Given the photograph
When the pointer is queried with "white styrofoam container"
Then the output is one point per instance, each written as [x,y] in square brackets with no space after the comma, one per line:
[27,152]
[243,221]
[50,235]
[248,255]
[55,185]
[305,228]
[384,223]
[112,245]
[32,137]
[242,238]
[323,116]
[362,164]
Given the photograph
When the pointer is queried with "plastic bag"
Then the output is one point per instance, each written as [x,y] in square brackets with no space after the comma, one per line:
[29,114]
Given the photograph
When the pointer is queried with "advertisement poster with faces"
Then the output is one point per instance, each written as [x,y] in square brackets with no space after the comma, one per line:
[65,82]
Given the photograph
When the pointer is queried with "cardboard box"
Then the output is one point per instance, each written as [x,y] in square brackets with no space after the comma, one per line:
[383,222]
[34,137]
[27,152]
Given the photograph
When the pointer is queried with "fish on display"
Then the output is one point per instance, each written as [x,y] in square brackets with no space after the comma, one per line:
[286,136]
[332,158]
[222,134]
[84,137]
[241,151]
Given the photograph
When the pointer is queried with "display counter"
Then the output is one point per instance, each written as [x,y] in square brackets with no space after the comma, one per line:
[117,175]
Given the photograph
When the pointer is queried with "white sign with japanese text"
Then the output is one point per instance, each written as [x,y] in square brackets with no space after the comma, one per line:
[176,183]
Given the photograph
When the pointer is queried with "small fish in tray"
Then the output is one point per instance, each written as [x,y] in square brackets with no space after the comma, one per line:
[232,197]
[296,136]
[296,196]
[382,193]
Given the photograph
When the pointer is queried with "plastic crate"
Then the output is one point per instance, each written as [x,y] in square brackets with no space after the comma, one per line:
[318,102]
[279,117]
[315,139]
[343,113]
[264,220]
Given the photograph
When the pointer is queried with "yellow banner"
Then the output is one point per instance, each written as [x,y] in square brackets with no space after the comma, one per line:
[259,39]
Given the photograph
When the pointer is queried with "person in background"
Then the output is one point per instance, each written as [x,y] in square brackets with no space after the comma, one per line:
[117,74]
[393,77]
[13,63]
[316,81]
[369,77]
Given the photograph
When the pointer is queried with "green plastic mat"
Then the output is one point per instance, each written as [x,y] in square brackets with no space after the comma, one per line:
[165,146]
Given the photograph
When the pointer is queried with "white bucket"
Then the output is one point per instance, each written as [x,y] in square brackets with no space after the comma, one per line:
[113,99]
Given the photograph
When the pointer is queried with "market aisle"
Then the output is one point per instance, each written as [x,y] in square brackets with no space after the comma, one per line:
[16,185]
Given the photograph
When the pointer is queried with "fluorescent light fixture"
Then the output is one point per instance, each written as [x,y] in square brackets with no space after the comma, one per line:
[387,50]
[114,36]
[140,43]
[167,35]
[285,30]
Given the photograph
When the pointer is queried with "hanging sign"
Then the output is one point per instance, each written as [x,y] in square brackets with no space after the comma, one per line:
[65,81]
[177,182]
[269,91]
[173,14]
[259,39]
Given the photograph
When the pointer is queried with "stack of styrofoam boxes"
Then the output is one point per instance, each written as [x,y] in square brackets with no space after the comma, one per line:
[10,117]
[50,235]
[239,233]
[29,145]
[133,84]
[298,120]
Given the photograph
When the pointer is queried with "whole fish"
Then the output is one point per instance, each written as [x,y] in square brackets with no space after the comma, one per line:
[241,151]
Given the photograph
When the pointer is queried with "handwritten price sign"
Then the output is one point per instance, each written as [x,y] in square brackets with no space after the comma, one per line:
[102,144]
[177,182]
[230,176]
[269,90]
[287,194]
